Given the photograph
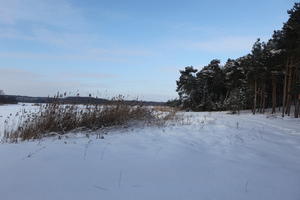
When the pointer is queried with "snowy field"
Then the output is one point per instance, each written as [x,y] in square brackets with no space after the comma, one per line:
[210,156]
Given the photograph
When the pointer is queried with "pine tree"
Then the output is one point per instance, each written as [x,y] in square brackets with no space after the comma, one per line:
[269,76]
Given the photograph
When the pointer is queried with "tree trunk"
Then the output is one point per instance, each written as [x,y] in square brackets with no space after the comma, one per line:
[274,97]
[297,107]
[261,100]
[264,99]
[238,106]
[297,95]
[255,96]
[257,99]
[284,88]
[289,95]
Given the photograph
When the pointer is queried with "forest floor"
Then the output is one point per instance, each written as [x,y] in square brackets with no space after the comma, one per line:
[207,156]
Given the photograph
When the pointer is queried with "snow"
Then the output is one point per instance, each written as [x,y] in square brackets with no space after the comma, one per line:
[206,156]
[8,114]
[276,51]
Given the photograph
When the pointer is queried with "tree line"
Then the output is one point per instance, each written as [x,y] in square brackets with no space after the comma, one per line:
[6,99]
[268,77]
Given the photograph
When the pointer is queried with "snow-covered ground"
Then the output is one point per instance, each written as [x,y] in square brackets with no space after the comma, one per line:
[210,156]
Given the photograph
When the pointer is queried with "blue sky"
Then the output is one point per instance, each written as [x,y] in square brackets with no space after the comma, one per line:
[134,48]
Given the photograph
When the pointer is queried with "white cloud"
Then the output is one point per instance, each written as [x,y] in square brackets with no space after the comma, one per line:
[114,55]
[52,23]
[47,12]
[113,52]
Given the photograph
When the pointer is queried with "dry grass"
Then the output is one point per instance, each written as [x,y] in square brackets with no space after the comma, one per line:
[61,119]
[164,109]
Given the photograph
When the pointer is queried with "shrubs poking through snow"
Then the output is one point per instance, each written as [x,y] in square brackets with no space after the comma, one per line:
[57,118]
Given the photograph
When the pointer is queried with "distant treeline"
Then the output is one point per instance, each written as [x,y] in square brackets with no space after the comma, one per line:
[5,99]
[269,76]
[12,99]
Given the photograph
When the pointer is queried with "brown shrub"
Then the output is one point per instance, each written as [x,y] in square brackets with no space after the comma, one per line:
[59,118]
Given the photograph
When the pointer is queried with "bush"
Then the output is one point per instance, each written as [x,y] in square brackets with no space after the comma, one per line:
[59,118]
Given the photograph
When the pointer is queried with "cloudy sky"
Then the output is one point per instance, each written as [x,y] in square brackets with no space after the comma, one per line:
[128,47]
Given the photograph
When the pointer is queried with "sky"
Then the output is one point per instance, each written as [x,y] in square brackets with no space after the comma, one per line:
[134,48]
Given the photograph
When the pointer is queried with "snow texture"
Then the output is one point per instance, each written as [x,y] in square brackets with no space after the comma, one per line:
[208,156]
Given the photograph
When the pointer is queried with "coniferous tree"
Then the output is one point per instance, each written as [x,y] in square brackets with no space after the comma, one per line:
[267,77]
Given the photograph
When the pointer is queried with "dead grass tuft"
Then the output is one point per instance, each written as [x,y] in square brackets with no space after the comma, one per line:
[59,118]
